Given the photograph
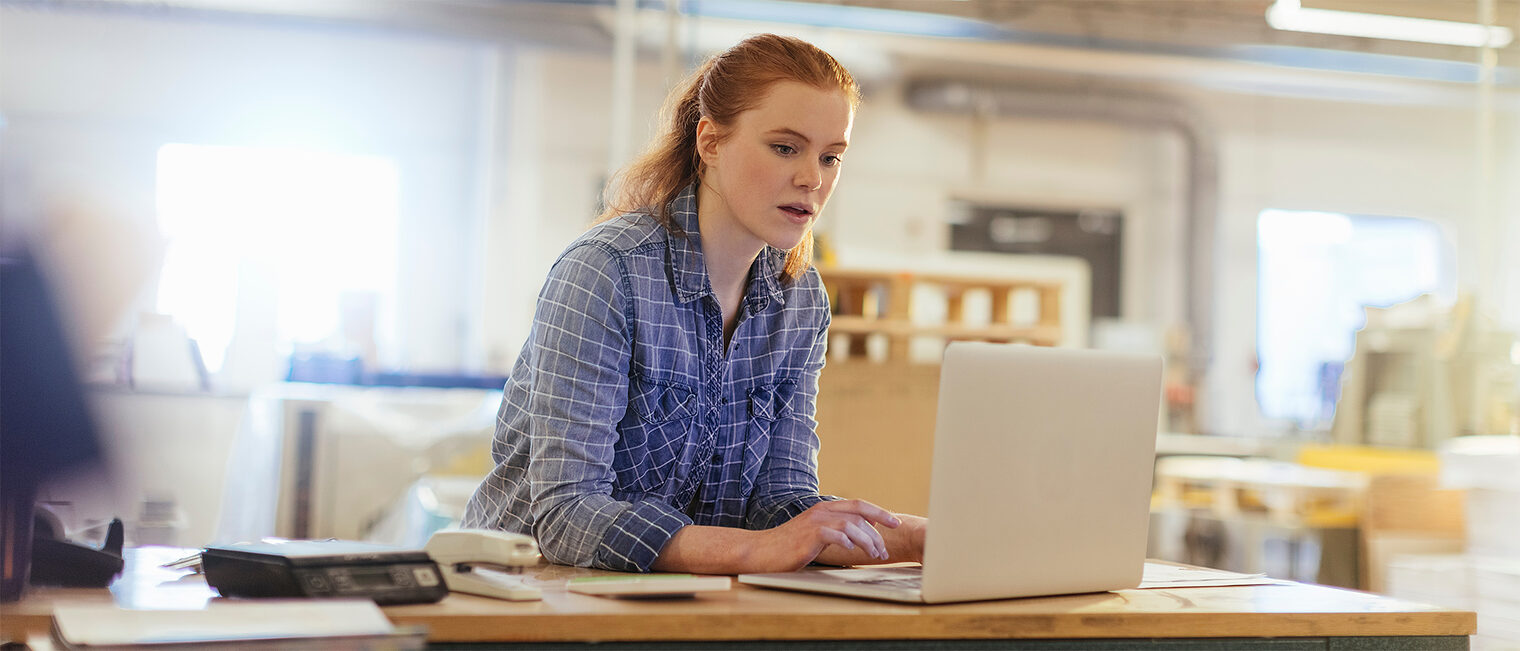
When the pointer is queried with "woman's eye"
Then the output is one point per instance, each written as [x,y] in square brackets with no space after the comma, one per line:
[832,160]
[785,150]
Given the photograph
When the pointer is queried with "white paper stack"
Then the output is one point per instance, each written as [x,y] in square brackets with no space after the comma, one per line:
[1493,522]
[1488,468]
[1481,462]
[1436,579]
[1496,581]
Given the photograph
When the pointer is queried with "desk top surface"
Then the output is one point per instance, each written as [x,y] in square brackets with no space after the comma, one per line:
[746,612]
[750,613]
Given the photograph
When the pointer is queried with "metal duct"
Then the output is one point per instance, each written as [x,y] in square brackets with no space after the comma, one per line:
[1131,109]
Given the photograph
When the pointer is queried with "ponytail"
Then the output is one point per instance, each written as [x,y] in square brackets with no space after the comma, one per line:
[668,165]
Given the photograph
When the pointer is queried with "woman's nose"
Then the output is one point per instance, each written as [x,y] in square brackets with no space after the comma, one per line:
[809,176]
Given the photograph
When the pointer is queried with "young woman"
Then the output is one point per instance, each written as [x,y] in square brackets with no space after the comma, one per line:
[660,415]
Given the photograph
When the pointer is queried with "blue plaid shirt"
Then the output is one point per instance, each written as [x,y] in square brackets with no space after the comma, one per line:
[625,419]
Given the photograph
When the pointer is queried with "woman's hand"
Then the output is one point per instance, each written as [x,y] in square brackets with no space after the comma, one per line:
[845,525]
[905,543]
[836,533]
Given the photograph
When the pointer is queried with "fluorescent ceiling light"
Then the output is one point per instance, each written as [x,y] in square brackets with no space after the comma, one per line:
[1289,15]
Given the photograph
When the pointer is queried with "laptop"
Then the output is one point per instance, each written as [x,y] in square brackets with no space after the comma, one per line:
[1040,483]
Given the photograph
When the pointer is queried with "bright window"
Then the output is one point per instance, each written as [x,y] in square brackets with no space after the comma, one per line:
[1316,271]
[293,231]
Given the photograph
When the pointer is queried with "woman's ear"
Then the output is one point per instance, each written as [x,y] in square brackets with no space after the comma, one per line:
[707,141]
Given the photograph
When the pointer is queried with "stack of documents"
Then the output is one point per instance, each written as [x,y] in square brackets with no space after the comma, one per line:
[1488,469]
[1166,575]
[263,625]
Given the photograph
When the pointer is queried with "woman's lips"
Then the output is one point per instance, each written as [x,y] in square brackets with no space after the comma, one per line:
[797,213]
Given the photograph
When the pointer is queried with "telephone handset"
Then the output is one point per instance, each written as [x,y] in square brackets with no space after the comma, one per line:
[485,562]
[57,561]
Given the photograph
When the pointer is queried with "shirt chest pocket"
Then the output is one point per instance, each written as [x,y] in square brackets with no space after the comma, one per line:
[652,434]
[768,404]
[771,402]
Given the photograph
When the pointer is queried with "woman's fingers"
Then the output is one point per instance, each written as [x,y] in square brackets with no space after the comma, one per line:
[836,537]
[868,511]
[860,515]
[866,537]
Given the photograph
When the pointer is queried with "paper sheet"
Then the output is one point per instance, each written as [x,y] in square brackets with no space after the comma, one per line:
[1164,575]
[101,625]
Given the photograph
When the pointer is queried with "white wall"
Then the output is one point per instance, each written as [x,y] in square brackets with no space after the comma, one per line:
[88,98]
[554,126]
[1405,161]
[169,448]
[1507,235]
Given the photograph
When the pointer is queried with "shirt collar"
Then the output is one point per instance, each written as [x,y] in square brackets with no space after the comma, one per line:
[689,268]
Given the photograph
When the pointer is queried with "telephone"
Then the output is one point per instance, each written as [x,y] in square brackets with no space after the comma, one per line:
[57,561]
[485,562]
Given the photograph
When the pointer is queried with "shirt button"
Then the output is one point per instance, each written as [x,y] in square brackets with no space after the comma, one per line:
[717,459]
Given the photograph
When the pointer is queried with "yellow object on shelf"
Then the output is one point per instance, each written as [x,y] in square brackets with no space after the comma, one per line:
[1330,515]
[1375,461]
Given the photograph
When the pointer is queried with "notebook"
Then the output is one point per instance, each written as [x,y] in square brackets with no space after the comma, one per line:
[1040,482]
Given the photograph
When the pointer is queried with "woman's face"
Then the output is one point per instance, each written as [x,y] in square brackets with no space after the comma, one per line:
[777,165]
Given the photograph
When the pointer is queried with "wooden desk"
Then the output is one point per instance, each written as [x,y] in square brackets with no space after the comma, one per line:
[1295,616]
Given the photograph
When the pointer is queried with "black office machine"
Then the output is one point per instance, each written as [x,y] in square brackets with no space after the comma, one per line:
[324,568]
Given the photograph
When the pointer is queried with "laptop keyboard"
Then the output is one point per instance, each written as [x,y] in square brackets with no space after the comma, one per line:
[911,578]
[907,582]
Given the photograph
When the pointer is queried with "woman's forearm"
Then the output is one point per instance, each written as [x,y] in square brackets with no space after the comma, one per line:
[707,550]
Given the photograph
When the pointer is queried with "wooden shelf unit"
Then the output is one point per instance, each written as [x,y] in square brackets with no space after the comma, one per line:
[869,303]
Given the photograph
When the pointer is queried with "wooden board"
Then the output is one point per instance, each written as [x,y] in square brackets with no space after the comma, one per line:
[876,425]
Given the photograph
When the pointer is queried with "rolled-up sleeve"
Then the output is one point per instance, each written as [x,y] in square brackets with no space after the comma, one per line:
[787,483]
[579,368]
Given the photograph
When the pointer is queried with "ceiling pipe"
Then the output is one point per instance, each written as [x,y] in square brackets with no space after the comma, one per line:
[1127,108]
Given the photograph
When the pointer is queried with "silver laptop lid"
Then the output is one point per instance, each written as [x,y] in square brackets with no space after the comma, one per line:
[1042,471]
